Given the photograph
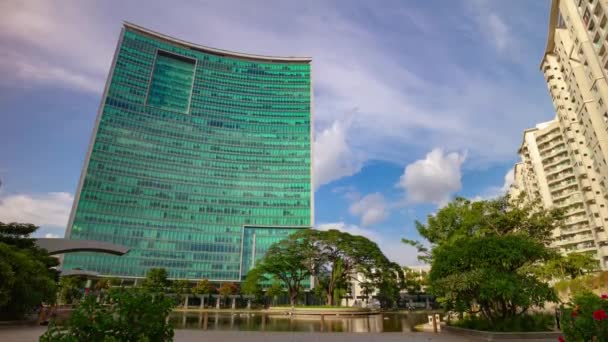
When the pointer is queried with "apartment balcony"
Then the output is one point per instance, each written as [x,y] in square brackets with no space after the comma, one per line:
[562,185]
[553,152]
[554,161]
[558,169]
[575,230]
[575,220]
[559,177]
[574,199]
[564,194]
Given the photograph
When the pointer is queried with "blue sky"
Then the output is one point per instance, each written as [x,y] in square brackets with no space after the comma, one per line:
[415,101]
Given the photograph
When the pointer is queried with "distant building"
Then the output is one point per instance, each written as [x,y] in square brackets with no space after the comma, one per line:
[200,159]
[564,161]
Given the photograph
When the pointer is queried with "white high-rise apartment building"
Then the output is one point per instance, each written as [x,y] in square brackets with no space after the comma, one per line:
[564,160]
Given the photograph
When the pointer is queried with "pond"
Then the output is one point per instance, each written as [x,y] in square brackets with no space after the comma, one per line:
[375,323]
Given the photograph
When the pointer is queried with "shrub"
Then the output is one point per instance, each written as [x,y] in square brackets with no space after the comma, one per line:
[133,315]
[586,318]
[522,323]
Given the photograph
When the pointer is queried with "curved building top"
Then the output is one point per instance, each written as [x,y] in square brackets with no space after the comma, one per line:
[215,51]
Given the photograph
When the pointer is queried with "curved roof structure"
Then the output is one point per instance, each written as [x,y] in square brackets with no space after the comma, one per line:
[60,246]
[220,52]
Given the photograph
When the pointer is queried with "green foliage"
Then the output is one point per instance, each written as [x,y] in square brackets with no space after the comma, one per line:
[482,252]
[252,284]
[156,280]
[586,283]
[70,289]
[571,266]
[332,257]
[181,287]
[414,282]
[27,278]
[585,318]
[227,289]
[274,291]
[524,323]
[134,314]
[203,287]
[289,262]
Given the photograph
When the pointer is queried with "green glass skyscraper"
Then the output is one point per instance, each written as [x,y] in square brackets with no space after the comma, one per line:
[200,160]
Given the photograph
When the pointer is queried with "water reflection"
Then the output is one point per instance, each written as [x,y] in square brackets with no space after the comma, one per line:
[387,322]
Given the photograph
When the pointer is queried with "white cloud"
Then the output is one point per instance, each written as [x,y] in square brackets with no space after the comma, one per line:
[371,208]
[495,191]
[393,248]
[334,158]
[509,179]
[497,30]
[49,210]
[356,65]
[51,236]
[433,179]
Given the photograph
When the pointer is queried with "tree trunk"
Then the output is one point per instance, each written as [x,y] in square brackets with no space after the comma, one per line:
[329,298]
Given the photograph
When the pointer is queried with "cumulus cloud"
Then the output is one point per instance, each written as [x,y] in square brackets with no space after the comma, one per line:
[371,208]
[334,158]
[48,210]
[356,65]
[51,236]
[391,247]
[433,179]
[495,191]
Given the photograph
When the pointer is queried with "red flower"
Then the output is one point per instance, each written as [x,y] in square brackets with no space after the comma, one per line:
[599,315]
[604,296]
[573,314]
[561,339]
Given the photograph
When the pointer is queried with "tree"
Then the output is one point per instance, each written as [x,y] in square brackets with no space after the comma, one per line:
[70,289]
[203,288]
[274,291]
[27,276]
[481,253]
[156,280]
[135,314]
[571,266]
[227,289]
[252,284]
[335,257]
[180,287]
[287,261]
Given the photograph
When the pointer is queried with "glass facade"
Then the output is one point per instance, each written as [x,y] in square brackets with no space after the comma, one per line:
[200,161]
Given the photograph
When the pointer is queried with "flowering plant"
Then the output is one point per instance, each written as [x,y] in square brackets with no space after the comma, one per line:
[585,319]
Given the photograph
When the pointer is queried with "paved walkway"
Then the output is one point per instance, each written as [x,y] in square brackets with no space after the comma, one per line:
[32,333]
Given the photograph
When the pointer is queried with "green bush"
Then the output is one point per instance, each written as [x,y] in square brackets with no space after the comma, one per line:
[586,318]
[523,323]
[132,315]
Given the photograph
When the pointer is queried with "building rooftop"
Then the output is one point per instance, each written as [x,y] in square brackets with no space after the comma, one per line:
[215,51]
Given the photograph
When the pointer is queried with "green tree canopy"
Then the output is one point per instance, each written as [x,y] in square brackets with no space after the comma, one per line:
[288,261]
[481,253]
[203,287]
[181,286]
[156,280]
[227,289]
[70,289]
[332,257]
[135,314]
[27,276]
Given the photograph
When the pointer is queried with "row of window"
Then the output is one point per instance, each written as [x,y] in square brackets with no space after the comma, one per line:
[178,201]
